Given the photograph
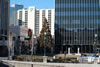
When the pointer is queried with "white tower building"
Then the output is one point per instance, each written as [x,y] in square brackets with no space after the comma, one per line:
[40,15]
[22,17]
[33,19]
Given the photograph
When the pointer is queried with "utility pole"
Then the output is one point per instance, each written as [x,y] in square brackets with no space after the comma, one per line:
[94,45]
[44,43]
[32,47]
[9,44]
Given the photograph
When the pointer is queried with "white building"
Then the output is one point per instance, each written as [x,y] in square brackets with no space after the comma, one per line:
[22,17]
[33,19]
[39,18]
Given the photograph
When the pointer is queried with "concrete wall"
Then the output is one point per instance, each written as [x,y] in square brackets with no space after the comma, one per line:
[38,64]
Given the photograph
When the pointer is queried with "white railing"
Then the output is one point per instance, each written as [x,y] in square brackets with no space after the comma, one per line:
[89,59]
[40,64]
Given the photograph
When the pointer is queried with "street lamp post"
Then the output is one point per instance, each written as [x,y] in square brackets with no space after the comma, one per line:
[81,50]
[94,45]
[34,46]
[9,51]
[12,47]
[44,43]
[44,57]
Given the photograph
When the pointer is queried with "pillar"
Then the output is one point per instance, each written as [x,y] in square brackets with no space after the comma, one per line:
[68,50]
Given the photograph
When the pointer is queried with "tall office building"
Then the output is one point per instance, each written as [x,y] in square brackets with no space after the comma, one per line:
[13,13]
[77,24]
[33,19]
[4,23]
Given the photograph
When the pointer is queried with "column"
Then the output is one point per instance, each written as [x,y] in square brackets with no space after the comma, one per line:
[78,51]
[68,50]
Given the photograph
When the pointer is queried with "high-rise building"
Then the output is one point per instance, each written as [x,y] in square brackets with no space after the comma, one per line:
[13,13]
[33,19]
[49,14]
[4,23]
[77,24]
[22,17]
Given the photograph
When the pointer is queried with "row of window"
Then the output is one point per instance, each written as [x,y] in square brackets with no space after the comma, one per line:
[3,32]
[85,13]
[89,17]
[76,9]
[77,5]
[81,16]
[76,1]
[80,22]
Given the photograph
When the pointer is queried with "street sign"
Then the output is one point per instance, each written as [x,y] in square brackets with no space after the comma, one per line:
[27,37]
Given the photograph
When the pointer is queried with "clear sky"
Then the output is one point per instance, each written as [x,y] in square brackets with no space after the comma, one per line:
[40,4]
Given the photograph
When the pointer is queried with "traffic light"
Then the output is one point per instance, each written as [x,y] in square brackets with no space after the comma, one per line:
[27,38]
[29,35]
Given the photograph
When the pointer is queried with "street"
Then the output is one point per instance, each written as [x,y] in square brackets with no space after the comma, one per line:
[3,65]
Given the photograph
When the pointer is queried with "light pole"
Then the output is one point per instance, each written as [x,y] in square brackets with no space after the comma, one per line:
[64,51]
[94,45]
[81,50]
[34,46]
[44,43]
[44,57]
[12,46]
[9,51]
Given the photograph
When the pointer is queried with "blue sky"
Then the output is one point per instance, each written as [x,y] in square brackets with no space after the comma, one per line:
[40,4]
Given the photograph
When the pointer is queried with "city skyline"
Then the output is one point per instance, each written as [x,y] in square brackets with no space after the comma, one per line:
[58,33]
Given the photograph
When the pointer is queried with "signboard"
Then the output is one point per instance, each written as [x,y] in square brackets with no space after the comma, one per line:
[26,37]
[31,9]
